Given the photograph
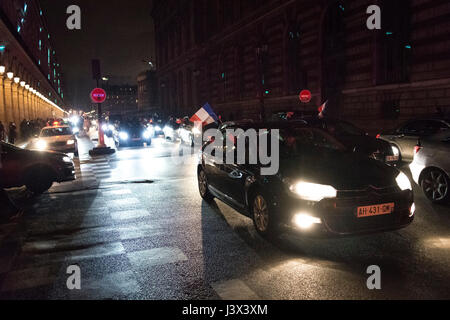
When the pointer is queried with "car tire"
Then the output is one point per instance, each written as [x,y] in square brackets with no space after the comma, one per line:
[39,181]
[203,185]
[262,215]
[436,185]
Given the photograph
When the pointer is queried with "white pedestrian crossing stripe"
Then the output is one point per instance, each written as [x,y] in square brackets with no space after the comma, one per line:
[234,289]
[157,256]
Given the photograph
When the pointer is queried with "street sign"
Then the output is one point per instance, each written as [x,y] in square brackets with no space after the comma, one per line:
[305,96]
[98,95]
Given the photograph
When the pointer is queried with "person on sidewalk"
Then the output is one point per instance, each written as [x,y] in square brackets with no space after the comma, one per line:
[12,133]
[2,132]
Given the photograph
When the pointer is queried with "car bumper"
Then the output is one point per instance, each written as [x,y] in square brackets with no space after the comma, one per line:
[338,217]
[66,173]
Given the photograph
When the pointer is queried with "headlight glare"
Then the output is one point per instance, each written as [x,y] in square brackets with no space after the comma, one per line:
[403,182]
[313,191]
[123,135]
[41,145]
[69,142]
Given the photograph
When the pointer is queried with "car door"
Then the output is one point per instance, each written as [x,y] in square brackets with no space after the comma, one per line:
[213,166]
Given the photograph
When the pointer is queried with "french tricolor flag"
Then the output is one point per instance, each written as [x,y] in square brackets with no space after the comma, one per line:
[205,115]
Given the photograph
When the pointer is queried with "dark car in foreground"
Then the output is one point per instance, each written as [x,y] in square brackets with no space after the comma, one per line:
[132,134]
[37,170]
[321,188]
[405,137]
[351,136]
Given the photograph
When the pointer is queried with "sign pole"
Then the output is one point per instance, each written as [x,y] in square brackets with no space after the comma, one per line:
[99,95]
[101,136]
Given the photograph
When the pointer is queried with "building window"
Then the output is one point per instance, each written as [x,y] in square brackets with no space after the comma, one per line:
[296,77]
[393,43]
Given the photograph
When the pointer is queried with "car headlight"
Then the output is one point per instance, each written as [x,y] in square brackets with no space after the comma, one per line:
[168,129]
[395,151]
[313,191]
[111,127]
[196,130]
[104,127]
[403,182]
[305,221]
[123,135]
[158,128]
[75,130]
[41,145]
[70,142]
[67,160]
[147,134]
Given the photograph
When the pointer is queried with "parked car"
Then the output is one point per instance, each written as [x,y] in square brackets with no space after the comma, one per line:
[405,137]
[60,138]
[431,166]
[37,170]
[132,133]
[321,188]
[351,136]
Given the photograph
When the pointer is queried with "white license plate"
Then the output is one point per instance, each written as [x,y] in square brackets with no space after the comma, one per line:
[375,210]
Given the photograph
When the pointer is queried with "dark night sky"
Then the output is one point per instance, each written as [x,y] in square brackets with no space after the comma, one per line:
[119,33]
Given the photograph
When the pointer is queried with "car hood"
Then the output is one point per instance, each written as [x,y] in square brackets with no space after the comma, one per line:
[57,138]
[44,154]
[365,144]
[343,171]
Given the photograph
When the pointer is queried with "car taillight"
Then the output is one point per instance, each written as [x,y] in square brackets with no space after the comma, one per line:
[417,149]
[378,136]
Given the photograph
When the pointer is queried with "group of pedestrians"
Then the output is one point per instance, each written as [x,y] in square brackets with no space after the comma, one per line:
[28,128]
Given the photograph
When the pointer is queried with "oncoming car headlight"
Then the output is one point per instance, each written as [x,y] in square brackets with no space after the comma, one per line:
[147,134]
[313,191]
[67,160]
[41,145]
[157,128]
[69,142]
[123,135]
[196,130]
[395,151]
[403,182]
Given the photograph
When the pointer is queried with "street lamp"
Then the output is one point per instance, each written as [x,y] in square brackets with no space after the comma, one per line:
[16,80]
[27,86]
[22,83]
[10,75]
[2,70]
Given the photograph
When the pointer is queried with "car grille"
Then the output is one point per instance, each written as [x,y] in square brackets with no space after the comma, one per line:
[368,192]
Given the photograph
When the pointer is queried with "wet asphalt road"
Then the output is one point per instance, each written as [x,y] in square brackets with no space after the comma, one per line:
[137,228]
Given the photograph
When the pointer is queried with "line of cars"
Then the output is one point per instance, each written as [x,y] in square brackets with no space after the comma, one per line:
[334,179]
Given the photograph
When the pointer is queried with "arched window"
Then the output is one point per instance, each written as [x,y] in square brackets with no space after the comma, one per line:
[393,42]
[296,78]
[333,52]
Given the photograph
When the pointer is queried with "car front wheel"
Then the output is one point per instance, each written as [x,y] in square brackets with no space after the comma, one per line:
[263,219]
[39,182]
[203,186]
[435,185]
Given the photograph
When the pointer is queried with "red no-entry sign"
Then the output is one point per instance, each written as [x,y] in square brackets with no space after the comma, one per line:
[305,96]
[98,95]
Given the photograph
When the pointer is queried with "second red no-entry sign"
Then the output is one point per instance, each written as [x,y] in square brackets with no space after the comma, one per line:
[98,95]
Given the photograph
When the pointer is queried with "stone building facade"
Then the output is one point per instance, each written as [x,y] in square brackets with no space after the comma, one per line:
[30,75]
[252,57]
[147,92]
[121,100]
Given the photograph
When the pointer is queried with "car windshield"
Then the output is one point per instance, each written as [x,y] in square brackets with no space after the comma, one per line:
[52,132]
[296,140]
